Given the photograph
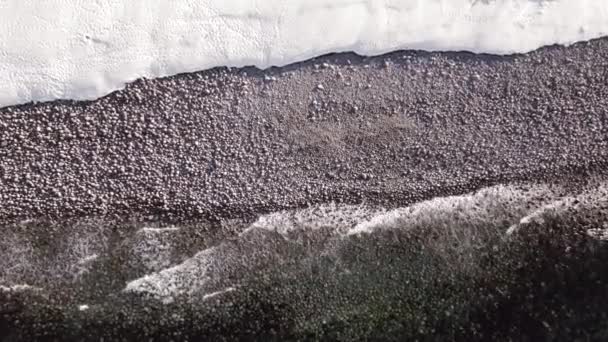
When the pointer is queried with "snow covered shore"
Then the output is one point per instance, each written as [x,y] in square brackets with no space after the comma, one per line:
[60,49]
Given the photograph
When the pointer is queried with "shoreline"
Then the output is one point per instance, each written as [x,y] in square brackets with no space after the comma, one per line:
[175,186]
[341,127]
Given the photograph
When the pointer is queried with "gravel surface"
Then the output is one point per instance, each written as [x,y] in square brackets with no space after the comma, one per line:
[229,143]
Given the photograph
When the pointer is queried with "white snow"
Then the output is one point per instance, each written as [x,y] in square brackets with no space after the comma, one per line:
[81,49]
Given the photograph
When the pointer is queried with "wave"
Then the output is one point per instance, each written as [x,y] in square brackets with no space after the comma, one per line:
[188,262]
[299,236]
[457,263]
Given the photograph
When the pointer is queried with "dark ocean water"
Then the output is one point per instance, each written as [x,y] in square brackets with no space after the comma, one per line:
[519,262]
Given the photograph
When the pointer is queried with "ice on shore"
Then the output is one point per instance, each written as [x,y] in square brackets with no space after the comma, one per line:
[58,49]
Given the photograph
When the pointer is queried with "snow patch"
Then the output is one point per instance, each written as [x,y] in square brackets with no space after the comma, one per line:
[58,49]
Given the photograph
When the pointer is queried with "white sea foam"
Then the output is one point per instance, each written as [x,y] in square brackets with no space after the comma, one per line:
[539,214]
[599,233]
[151,230]
[18,288]
[217,293]
[178,280]
[275,238]
[152,248]
[85,49]
[340,218]
[482,208]
[593,200]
